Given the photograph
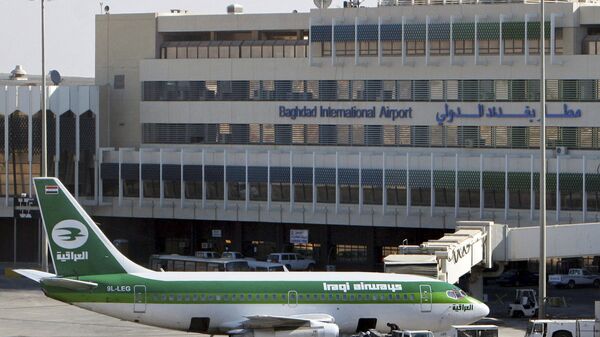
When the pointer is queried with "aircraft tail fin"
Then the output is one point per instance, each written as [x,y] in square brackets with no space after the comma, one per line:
[78,247]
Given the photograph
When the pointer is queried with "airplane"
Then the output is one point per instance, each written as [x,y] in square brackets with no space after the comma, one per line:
[92,274]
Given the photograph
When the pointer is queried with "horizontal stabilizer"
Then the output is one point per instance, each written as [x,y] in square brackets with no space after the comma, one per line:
[32,274]
[68,283]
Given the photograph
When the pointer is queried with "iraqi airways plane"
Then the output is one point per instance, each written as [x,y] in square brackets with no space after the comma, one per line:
[92,274]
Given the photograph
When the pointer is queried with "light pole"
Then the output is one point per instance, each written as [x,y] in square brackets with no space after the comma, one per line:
[44,156]
[542,267]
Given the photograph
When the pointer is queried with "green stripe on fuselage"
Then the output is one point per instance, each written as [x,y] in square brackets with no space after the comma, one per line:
[119,288]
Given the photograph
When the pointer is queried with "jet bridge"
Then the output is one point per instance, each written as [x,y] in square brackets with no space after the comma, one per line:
[480,244]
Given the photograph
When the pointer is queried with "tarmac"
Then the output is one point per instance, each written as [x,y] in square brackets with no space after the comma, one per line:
[26,311]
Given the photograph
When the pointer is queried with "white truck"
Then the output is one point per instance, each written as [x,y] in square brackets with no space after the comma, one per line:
[575,277]
[292,261]
[563,328]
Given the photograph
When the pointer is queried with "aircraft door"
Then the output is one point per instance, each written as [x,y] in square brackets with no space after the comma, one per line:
[292,298]
[139,299]
[426,297]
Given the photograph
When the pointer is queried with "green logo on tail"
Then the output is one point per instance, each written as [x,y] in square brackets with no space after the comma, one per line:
[70,234]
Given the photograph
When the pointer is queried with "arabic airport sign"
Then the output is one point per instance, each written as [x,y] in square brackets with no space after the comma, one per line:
[450,113]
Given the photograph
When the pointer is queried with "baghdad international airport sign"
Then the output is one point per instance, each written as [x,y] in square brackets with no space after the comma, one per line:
[322,111]
[447,113]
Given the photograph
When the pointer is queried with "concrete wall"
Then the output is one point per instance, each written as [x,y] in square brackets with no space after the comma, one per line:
[121,42]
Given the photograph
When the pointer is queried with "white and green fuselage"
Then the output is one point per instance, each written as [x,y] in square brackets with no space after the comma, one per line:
[93,275]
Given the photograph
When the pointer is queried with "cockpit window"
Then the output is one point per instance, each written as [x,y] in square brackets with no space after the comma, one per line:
[455,294]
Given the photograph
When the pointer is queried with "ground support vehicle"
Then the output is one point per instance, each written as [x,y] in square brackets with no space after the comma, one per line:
[575,277]
[524,305]
[563,328]
[292,261]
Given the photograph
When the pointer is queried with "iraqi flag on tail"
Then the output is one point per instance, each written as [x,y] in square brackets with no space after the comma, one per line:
[51,189]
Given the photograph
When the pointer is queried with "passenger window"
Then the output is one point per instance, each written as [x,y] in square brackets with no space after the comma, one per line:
[195,297]
[241,297]
[274,297]
[266,297]
[345,297]
[330,297]
[187,297]
[234,297]
[250,295]
[374,297]
[360,295]
[322,297]
[412,297]
[284,297]
[406,295]
[337,297]
[397,297]
[218,297]
[226,298]
[203,297]
[164,297]
[390,296]
[352,297]
[171,297]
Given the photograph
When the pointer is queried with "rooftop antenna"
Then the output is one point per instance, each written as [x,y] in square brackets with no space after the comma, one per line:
[321,4]
[55,77]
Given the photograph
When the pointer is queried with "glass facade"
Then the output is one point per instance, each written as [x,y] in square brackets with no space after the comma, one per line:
[499,90]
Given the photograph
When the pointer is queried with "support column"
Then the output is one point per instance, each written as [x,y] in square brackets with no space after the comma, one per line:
[557,189]
[476,41]
[481,191]
[314,185]
[291,181]
[225,190]
[501,41]
[431,186]
[383,185]
[403,42]
[268,180]
[181,180]
[203,180]
[476,283]
[120,184]
[30,148]
[333,41]
[526,42]
[506,194]
[309,41]
[531,191]
[337,183]
[360,186]
[584,192]
[356,49]
[427,40]
[140,178]
[456,194]
[246,185]
[161,182]
[451,39]
[379,50]
[408,201]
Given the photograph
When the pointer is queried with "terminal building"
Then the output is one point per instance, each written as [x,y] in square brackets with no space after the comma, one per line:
[342,132]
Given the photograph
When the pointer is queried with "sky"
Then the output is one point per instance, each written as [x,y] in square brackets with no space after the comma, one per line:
[70,27]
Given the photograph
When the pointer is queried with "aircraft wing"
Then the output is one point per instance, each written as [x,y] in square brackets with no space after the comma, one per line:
[32,274]
[268,321]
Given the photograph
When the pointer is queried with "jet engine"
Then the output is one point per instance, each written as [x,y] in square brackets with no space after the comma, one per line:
[316,329]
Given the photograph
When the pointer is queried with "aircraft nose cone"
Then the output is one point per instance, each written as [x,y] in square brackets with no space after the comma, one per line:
[482,310]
